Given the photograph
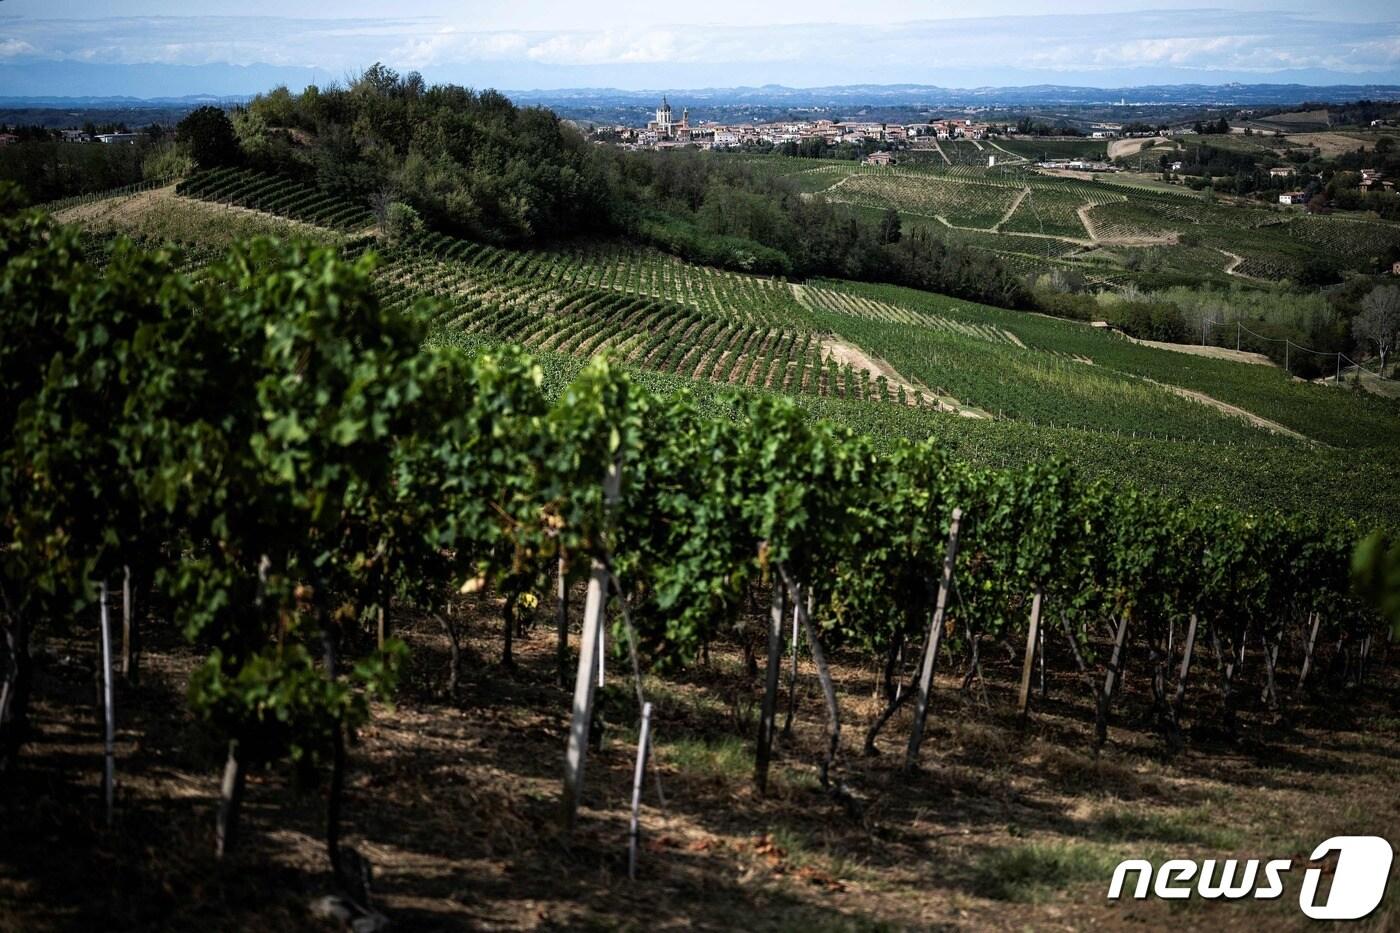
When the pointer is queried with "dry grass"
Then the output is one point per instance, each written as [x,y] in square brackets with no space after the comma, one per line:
[456,802]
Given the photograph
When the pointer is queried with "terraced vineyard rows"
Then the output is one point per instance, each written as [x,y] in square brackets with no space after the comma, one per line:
[1055,211]
[631,270]
[965,203]
[1349,421]
[276,195]
[1342,236]
[836,300]
[548,303]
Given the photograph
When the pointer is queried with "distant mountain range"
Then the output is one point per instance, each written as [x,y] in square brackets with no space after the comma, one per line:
[124,103]
[1275,95]
[915,94]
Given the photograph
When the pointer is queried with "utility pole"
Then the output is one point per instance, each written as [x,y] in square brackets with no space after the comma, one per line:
[1238,325]
[1287,347]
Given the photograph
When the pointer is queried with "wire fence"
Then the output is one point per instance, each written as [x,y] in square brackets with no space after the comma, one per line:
[1288,347]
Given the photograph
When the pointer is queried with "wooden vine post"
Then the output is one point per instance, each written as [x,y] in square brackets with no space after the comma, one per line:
[1032,641]
[109,775]
[796,593]
[590,646]
[792,674]
[1185,667]
[935,634]
[1115,667]
[770,687]
[130,632]
[634,831]
[1312,644]
[561,619]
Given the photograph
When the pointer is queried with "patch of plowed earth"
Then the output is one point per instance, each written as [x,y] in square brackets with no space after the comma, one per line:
[849,354]
[1219,353]
[126,211]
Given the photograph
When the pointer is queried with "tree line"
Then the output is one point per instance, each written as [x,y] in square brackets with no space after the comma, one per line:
[473,164]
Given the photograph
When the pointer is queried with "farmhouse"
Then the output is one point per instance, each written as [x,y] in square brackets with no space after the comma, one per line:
[114,138]
[1291,197]
[1282,171]
[7,138]
[879,158]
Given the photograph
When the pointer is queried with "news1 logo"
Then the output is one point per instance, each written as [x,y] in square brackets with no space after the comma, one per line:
[1358,882]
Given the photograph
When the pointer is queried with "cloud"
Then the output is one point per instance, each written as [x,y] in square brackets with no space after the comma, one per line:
[1205,40]
[14,48]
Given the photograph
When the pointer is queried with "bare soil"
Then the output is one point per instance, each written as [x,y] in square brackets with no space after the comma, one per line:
[1219,353]
[1127,147]
[1330,145]
[455,800]
[161,212]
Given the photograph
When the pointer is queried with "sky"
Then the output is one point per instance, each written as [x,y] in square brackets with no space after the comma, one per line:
[149,48]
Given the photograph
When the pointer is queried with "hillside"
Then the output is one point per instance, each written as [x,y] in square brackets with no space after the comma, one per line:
[886,359]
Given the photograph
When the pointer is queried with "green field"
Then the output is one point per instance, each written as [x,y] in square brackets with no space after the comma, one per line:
[1036,149]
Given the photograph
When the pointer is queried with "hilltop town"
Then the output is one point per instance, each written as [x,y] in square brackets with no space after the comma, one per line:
[665,131]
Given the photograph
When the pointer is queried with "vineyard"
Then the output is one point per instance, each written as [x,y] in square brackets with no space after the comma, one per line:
[968,204]
[710,325]
[1073,390]
[276,196]
[307,511]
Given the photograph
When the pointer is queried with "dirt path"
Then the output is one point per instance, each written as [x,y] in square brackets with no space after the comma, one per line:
[1039,236]
[1015,159]
[837,184]
[1127,147]
[1227,408]
[1021,196]
[940,151]
[1386,388]
[1219,353]
[1083,212]
[1236,260]
[849,354]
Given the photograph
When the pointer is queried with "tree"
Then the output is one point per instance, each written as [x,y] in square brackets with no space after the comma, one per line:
[1379,321]
[890,226]
[210,136]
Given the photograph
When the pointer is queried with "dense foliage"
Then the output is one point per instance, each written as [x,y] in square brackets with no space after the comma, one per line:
[470,163]
[279,457]
[474,164]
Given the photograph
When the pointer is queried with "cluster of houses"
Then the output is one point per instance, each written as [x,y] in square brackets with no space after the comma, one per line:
[80,136]
[666,131]
[1373,180]
[1079,165]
